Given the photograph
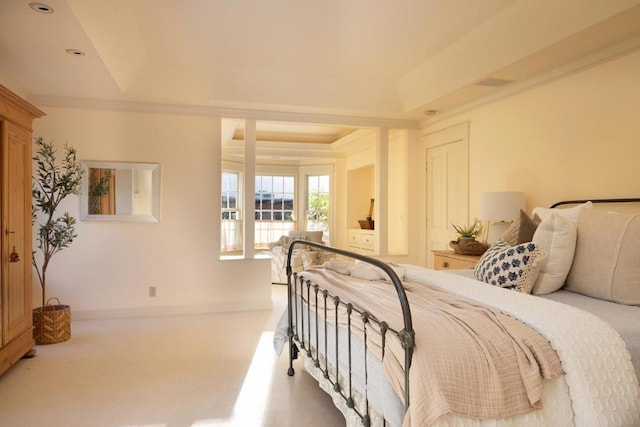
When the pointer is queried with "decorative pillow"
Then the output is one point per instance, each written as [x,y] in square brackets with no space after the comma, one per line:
[606,263]
[570,213]
[521,230]
[510,267]
[556,235]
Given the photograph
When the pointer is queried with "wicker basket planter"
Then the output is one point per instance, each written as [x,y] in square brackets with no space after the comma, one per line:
[51,323]
[468,246]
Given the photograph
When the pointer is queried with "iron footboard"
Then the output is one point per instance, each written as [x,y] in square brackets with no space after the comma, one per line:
[311,328]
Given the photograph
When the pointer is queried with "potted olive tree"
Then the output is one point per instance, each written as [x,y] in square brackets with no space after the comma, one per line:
[53,181]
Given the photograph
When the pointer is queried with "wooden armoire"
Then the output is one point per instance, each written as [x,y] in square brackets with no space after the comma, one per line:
[16,330]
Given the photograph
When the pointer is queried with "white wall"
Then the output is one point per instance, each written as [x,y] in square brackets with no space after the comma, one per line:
[108,269]
[575,137]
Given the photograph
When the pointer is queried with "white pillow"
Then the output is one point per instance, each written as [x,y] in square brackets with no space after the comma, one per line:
[363,270]
[556,235]
[339,266]
[571,214]
[606,265]
[366,271]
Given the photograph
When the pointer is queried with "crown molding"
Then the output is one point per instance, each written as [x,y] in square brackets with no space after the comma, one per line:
[230,113]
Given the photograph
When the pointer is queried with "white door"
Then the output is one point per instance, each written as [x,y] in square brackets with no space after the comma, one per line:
[447,185]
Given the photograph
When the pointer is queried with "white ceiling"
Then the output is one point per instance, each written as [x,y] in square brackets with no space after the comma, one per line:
[365,61]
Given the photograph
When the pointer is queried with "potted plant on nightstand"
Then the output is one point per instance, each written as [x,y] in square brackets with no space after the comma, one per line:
[467,243]
[52,183]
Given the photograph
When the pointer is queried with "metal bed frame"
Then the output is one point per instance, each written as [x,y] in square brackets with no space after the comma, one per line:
[577,202]
[300,332]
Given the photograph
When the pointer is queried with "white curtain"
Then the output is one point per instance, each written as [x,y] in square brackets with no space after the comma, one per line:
[231,235]
[270,231]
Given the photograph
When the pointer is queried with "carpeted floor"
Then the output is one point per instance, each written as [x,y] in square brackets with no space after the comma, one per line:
[171,371]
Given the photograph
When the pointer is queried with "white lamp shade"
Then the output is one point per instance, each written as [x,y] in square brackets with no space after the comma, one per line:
[500,205]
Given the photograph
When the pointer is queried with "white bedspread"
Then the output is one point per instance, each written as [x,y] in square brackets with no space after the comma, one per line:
[602,383]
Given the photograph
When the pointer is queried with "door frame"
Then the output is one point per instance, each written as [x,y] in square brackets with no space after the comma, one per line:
[455,133]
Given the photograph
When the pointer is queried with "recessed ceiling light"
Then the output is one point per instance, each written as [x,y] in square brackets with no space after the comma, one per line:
[75,52]
[41,7]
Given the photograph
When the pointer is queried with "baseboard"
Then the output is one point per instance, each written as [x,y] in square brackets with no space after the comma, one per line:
[169,310]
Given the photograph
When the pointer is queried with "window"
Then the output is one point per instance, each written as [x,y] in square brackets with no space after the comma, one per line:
[318,196]
[274,208]
[231,233]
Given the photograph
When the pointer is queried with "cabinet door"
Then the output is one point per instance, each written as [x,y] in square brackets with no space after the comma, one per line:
[354,238]
[368,240]
[16,230]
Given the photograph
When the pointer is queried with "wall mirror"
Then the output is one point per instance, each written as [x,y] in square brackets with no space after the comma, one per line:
[120,191]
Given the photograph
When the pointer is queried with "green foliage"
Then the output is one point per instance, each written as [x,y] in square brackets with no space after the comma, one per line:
[97,191]
[468,230]
[318,207]
[52,183]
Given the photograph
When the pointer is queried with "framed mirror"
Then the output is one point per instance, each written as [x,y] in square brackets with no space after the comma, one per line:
[120,191]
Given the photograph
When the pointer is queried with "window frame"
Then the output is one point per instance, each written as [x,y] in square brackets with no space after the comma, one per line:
[231,225]
[268,230]
[319,170]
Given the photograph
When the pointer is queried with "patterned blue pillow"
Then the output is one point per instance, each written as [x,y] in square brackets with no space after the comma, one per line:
[510,267]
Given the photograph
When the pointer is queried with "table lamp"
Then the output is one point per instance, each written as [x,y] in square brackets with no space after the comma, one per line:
[497,210]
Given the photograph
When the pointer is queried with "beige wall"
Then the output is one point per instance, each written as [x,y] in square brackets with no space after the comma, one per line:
[399,141]
[109,268]
[360,189]
[576,137]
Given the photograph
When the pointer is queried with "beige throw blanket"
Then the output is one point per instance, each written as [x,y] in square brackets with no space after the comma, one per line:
[469,359]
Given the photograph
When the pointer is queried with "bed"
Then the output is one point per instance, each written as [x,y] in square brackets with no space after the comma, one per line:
[552,341]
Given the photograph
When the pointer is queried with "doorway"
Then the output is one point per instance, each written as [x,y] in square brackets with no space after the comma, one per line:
[446,160]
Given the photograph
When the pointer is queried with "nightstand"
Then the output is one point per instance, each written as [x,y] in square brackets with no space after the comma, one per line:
[449,260]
